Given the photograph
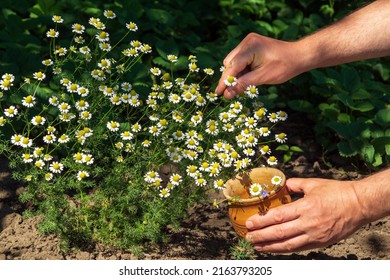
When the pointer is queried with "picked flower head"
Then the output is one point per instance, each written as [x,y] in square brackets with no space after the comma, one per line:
[255,189]
[231,81]
[277,180]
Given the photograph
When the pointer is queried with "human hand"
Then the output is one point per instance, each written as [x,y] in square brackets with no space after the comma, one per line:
[329,211]
[260,60]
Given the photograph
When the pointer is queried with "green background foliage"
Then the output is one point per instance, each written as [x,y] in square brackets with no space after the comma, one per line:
[351,98]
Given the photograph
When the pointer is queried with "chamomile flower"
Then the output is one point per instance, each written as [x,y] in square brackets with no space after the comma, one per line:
[193,67]
[5,84]
[126,86]
[38,120]
[255,189]
[174,98]
[27,158]
[167,85]
[211,96]
[61,51]
[8,77]
[39,164]
[54,101]
[64,107]
[273,117]
[249,151]
[192,171]
[212,127]
[82,105]
[208,71]
[146,143]
[49,176]
[175,179]
[155,71]
[47,62]
[29,101]
[78,157]
[200,101]
[136,44]
[145,48]
[151,177]
[172,58]
[260,114]
[2,121]
[56,167]
[228,127]
[113,126]
[187,96]
[82,174]
[230,81]
[251,91]
[38,152]
[200,182]
[127,135]
[64,138]
[26,142]
[96,22]
[78,28]
[281,137]
[264,131]
[109,14]
[132,26]
[219,184]
[276,180]
[52,33]
[47,157]
[57,19]
[272,160]
[164,193]
[282,115]
[196,119]
[136,127]
[16,139]
[225,117]
[154,130]
[250,122]
[11,111]
[79,40]
[49,138]
[88,159]
[265,150]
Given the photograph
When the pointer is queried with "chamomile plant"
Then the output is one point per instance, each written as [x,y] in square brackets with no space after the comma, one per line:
[112,148]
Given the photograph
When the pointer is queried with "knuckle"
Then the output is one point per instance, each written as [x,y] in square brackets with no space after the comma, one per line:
[278,216]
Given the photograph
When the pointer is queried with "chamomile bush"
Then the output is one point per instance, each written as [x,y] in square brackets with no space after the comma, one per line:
[111,148]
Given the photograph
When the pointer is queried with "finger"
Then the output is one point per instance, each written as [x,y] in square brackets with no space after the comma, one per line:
[277,215]
[303,185]
[275,233]
[233,69]
[294,244]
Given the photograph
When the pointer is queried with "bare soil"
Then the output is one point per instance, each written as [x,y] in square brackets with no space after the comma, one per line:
[205,234]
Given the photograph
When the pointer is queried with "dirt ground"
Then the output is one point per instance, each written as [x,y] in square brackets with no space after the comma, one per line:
[205,234]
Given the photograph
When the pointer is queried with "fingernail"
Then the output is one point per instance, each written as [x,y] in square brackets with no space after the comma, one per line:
[249,224]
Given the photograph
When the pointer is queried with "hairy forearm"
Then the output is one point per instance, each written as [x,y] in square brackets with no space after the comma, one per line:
[373,194]
[364,34]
